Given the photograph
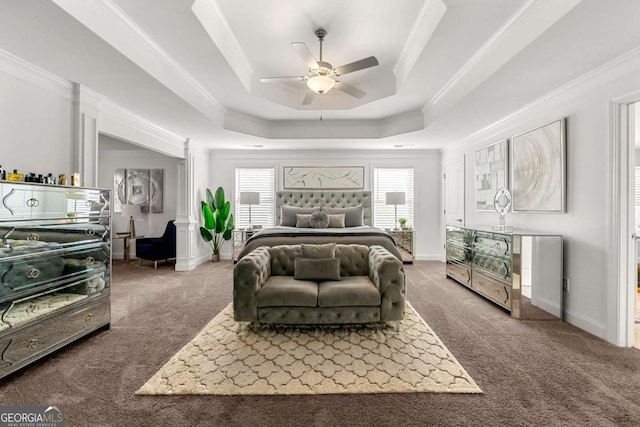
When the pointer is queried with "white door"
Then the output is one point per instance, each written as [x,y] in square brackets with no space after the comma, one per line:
[454,192]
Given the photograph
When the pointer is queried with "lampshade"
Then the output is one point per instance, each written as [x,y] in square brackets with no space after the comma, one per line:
[249,198]
[130,210]
[394,198]
[321,84]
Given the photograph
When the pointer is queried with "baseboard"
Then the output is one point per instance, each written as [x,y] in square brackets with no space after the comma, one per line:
[429,257]
[589,325]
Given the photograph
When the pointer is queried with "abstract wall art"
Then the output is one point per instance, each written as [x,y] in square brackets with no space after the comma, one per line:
[490,174]
[321,177]
[142,187]
[538,169]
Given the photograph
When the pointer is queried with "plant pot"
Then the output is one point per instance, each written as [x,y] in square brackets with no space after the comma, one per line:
[215,257]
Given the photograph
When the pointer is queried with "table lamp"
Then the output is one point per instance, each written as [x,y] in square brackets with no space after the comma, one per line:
[131,211]
[249,198]
[394,198]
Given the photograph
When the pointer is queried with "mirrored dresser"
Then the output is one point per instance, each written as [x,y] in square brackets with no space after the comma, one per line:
[520,271]
[55,265]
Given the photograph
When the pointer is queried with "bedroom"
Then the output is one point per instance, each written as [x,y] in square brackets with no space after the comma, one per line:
[588,64]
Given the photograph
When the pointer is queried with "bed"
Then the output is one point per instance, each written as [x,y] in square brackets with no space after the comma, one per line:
[355,204]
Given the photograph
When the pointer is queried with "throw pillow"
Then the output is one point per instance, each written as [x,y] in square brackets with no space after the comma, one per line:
[327,250]
[288,214]
[353,216]
[317,269]
[319,220]
[336,220]
[302,220]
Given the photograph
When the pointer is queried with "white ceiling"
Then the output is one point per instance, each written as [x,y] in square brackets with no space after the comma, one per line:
[447,67]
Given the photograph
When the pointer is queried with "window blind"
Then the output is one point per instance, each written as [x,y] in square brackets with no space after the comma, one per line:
[387,180]
[260,180]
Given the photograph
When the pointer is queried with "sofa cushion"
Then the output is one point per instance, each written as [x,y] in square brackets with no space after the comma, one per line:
[353,216]
[354,260]
[281,291]
[317,269]
[283,259]
[350,291]
[288,214]
[327,250]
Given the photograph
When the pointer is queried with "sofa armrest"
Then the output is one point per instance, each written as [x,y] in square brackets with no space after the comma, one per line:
[249,274]
[387,273]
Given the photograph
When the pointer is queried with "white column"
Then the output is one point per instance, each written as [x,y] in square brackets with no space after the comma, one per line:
[85,135]
[185,220]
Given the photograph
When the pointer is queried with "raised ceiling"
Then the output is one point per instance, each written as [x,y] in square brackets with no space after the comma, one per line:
[447,67]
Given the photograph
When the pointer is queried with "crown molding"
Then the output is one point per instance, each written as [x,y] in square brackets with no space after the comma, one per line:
[29,73]
[532,19]
[120,123]
[268,156]
[620,66]
[426,23]
[220,32]
[115,27]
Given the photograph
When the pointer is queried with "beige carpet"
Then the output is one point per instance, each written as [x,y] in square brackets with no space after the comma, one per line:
[230,358]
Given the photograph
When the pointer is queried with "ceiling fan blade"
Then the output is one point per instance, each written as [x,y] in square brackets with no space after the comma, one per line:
[283,79]
[350,90]
[357,65]
[305,54]
[308,98]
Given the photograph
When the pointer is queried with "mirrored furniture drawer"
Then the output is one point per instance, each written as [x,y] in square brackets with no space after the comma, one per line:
[55,268]
[521,271]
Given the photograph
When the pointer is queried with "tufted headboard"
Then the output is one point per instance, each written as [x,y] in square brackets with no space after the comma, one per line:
[329,198]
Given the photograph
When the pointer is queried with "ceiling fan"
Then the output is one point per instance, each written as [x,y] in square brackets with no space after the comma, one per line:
[322,75]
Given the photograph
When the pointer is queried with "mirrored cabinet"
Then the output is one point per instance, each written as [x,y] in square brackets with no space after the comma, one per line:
[55,268]
[520,271]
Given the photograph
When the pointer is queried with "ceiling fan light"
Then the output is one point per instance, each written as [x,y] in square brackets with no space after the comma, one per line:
[321,84]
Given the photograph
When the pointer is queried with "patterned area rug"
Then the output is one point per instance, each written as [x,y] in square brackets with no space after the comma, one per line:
[231,358]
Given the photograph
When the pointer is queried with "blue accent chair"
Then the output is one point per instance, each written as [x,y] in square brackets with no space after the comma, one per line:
[158,248]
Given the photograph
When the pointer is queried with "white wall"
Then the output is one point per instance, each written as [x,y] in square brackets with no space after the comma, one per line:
[585,225]
[118,157]
[36,124]
[426,164]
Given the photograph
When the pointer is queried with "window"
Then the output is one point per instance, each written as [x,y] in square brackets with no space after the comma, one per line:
[260,180]
[387,180]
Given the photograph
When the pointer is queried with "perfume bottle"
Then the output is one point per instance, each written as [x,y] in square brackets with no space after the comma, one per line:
[62,179]
[15,176]
[50,179]
[3,174]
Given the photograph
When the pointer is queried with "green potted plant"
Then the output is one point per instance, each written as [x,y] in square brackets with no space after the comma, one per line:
[218,221]
[403,222]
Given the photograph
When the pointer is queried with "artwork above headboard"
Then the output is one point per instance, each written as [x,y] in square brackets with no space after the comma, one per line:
[328,198]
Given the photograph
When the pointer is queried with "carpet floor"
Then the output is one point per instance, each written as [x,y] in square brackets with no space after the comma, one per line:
[532,373]
[234,358]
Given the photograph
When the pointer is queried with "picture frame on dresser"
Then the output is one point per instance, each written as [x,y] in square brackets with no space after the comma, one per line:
[491,174]
[538,169]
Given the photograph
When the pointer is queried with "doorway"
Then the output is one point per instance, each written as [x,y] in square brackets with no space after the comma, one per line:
[634,143]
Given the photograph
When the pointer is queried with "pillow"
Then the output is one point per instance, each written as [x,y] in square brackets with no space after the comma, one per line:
[336,220]
[302,220]
[319,220]
[353,216]
[288,214]
[317,269]
[327,250]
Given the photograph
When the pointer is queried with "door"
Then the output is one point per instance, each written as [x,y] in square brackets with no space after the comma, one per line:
[454,192]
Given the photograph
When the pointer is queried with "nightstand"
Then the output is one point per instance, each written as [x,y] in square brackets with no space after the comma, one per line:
[240,237]
[406,243]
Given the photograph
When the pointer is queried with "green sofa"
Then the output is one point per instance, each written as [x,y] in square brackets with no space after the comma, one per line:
[319,284]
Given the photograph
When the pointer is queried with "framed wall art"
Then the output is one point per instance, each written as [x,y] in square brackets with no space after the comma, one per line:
[144,187]
[490,174]
[323,177]
[538,176]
